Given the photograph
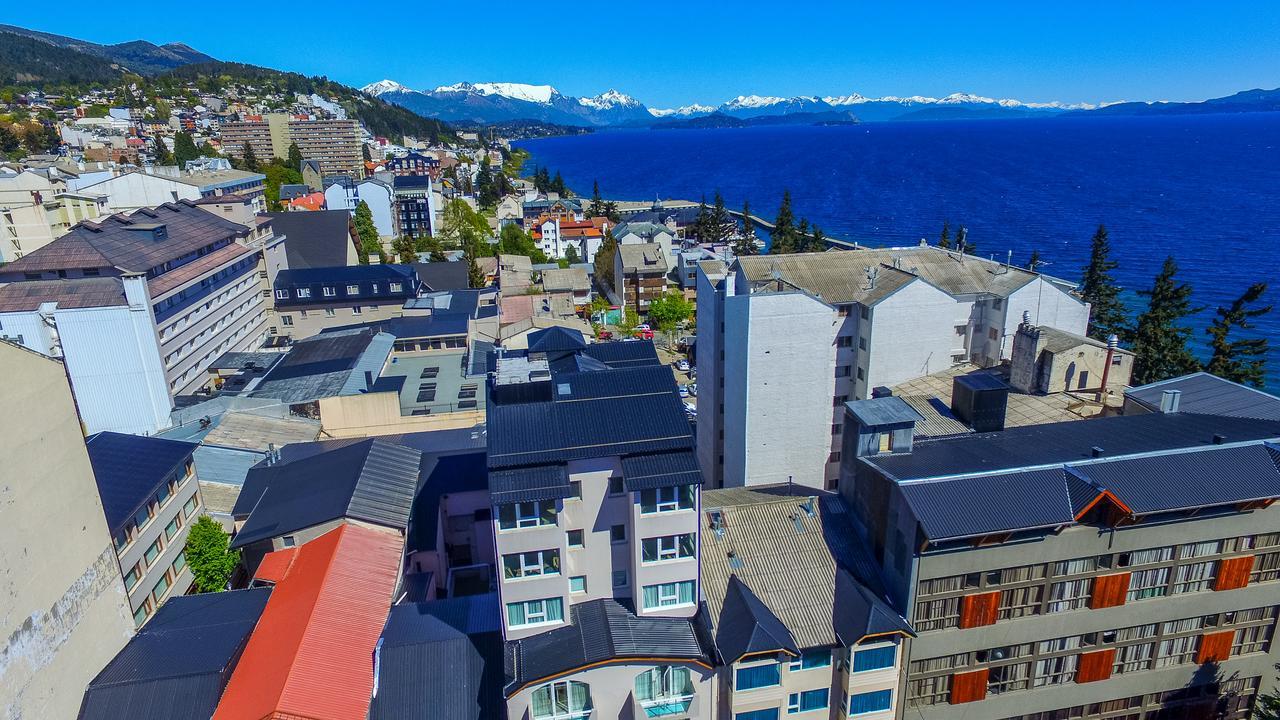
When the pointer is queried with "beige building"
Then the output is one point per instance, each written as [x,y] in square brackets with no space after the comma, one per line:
[63,609]
[34,211]
[335,144]
[1048,360]
[640,274]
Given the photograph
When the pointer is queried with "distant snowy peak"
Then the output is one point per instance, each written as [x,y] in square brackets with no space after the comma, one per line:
[384,86]
[850,99]
[685,111]
[609,100]
[753,101]
[540,94]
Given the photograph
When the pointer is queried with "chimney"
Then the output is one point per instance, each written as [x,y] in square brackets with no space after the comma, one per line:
[1170,400]
[1219,439]
[271,453]
[1096,451]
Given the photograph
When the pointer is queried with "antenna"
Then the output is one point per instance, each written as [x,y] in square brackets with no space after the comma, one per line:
[872,272]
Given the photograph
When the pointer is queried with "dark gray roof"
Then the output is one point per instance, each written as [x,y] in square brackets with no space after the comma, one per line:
[178,664]
[314,239]
[289,191]
[657,470]
[987,504]
[527,484]
[1202,478]
[600,631]
[371,480]
[890,410]
[1210,395]
[556,339]
[74,293]
[746,625]
[326,365]
[1057,443]
[372,283]
[414,326]
[443,276]
[129,469]
[446,655]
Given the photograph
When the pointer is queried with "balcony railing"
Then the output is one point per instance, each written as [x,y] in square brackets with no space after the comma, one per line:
[664,707]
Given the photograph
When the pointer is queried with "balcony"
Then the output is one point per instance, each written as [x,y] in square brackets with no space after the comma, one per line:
[672,706]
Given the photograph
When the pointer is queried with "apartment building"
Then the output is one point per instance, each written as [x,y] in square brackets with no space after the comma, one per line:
[334,144]
[796,608]
[413,163]
[415,211]
[640,275]
[266,135]
[310,300]
[1122,567]
[150,496]
[191,282]
[203,178]
[35,210]
[595,500]
[63,611]
[797,336]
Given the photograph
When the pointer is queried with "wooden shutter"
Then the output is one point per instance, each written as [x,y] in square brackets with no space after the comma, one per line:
[969,686]
[1109,591]
[1215,647]
[1233,573]
[1094,666]
[979,609]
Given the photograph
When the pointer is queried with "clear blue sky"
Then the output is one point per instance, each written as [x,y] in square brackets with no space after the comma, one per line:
[670,53]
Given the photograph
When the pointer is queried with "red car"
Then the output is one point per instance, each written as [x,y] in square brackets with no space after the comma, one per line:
[644,333]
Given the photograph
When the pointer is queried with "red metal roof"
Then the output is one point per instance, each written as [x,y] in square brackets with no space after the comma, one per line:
[311,654]
[275,565]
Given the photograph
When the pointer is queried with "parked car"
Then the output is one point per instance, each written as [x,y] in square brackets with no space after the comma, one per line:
[684,391]
[685,343]
[682,365]
[644,333]
[693,389]
[606,335]
[691,410]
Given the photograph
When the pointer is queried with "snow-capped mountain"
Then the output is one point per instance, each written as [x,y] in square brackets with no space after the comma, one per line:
[502,101]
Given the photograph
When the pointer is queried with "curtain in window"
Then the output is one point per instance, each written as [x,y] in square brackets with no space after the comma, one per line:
[650,596]
[679,681]
[1148,584]
[555,609]
[1154,555]
[515,614]
[648,685]
[579,696]
[542,702]
[686,592]
[686,545]
[1194,577]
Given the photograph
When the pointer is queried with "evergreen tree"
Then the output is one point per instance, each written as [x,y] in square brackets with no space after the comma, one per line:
[295,156]
[721,224]
[604,259]
[818,243]
[702,222]
[405,249]
[184,149]
[1159,340]
[784,231]
[475,276]
[487,191]
[1267,706]
[9,142]
[557,185]
[161,154]
[1107,313]
[250,160]
[596,208]
[542,180]
[962,242]
[432,246]
[571,253]
[1243,361]
[944,241]
[802,236]
[364,151]
[1034,260]
[746,243]
[368,233]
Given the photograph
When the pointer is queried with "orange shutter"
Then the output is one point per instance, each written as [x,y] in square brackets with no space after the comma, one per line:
[1109,590]
[1233,573]
[969,686]
[1215,647]
[980,609]
[1094,666]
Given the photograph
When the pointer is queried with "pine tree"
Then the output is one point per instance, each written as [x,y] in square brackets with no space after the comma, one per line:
[1107,313]
[557,185]
[184,149]
[367,232]
[295,156]
[1243,361]
[784,231]
[701,227]
[249,159]
[962,242]
[1034,260]
[720,223]
[604,259]
[596,208]
[802,235]
[944,241]
[161,154]
[405,249]
[1267,706]
[1159,340]
[486,190]
[571,253]
[432,246]
[746,242]
[475,276]
[818,243]
[364,151]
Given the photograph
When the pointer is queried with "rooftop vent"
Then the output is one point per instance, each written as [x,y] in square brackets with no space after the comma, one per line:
[807,507]
[1096,451]
[717,523]
[1219,439]
[1170,400]
[735,562]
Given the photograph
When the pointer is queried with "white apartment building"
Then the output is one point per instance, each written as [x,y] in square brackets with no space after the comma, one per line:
[35,210]
[784,341]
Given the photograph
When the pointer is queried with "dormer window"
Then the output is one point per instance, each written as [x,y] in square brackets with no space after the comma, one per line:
[282,294]
[353,289]
[397,287]
[329,292]
[304,292]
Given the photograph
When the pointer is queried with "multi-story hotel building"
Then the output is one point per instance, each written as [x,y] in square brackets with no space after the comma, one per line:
[334,144]
[1122,567]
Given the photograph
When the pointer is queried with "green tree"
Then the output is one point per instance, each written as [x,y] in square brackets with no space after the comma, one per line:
[802,236]
[962,241]
[184,148]
[784,231]
[161,151]
[364,152]
[1159,339]
[557,185]
[944,240]
[475,276]
[629,320]
[514,241]
[701,226]
[9,143]
[1099,289]
[1034,260]
[669,310]
[368,232]
[721,223]
[604,259]
[571,253]
[746,242]
[42,139]
[1244,360]
[405,249]
[295,156]
[250,160]
[209,555]
[596,208]
[487,190]
[818,241]
[1267,706]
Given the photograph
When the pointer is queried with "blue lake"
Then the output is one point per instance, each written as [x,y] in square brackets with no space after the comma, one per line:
[1205,189]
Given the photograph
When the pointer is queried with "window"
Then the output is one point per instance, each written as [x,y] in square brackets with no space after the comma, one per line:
[667,547]
[997,304]
[353,289]
[189,508]
[286,320]
[768,714]
[288,541]
[530,564]
[619,578]
[615,485]
[397,287]
[666,686]
[807,701]
[564,700]
[527,514]
[152,553]
[575,538]
[618,534]
[1068,595]
[674,594]
[667,499]
[303,292]
[758,676]
[329,292]
[578,584]
[535,612]
[862,343]
[171,529]
[140,616]
[162,495]
[575,489]
[810,659]
[844,341]
[355,310]
[282,294]
[142,517]
[162,587]
[1145,584]
[132,577]
[843,370]
[874,659]
[179,563]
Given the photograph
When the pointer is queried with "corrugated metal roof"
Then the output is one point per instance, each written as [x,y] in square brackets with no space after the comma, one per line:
[1202,478]
[599,631]
[657,470]
[275,565]
[130,468]
[310,655]
[228,466]
[326,365]
[985,504]
[527,484]
[76,293]
[1210,395]
[177,665]
[746,625]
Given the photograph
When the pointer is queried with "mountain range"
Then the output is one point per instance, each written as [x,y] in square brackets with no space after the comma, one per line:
[140,56]
[485,103]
